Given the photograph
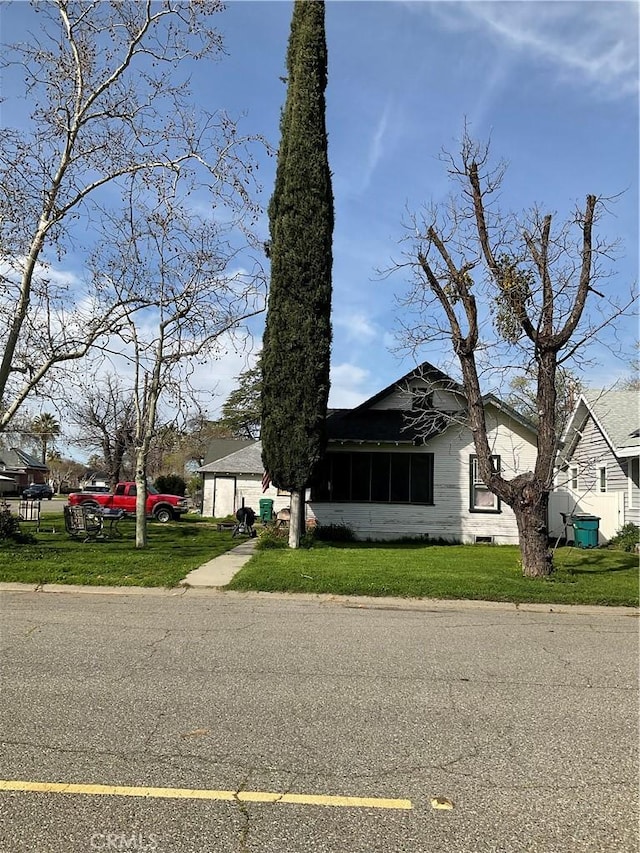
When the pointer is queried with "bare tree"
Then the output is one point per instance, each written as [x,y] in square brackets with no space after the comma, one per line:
[187,296]
[103,412]
[505,290]
[109,99]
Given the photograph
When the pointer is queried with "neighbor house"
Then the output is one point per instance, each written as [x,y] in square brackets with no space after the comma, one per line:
[92,479]
[22,467]
[598,466]
[400,464]
[231,474]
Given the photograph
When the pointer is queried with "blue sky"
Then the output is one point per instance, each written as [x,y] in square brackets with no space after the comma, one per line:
[555,85]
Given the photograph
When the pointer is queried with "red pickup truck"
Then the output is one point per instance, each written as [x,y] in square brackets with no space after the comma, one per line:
[161,507]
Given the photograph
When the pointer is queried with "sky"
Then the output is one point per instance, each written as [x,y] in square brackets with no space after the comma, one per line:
[553,84]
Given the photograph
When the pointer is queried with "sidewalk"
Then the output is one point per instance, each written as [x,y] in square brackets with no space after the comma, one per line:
[219,571]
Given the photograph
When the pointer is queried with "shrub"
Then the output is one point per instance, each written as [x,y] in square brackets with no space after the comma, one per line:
[194,489]
[10,527]
[627,538]
[334,533]
[272,537]
[171,484]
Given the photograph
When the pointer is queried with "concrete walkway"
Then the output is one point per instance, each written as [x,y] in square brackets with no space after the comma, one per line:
[219,571]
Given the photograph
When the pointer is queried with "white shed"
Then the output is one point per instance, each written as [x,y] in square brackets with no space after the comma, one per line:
[237,478]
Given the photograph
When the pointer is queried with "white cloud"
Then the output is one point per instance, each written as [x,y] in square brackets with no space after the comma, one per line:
[347,381]
[60,278]
[376,148]
[596,43]
[358,328]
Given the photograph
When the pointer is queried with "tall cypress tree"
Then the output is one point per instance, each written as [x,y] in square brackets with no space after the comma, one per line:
[297,342]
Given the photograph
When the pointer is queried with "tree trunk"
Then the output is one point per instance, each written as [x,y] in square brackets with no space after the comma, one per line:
[531,517]
[297,520]
[141,500]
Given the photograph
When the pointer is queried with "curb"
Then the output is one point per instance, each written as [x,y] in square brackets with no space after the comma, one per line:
[354,602]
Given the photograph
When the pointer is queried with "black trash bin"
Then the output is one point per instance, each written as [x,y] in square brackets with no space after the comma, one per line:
[266,510]
[585,530]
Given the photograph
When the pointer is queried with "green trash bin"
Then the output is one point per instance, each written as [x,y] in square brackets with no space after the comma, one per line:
[266,510]
[585,530]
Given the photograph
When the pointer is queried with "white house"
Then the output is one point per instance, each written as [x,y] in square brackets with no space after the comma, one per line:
[599,464]
[400,464]
[403,464]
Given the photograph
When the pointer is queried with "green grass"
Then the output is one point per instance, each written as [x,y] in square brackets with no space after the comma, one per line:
[487,572]
[173,550]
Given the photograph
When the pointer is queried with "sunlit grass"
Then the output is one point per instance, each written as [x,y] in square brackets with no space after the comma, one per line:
[486,572]
[173,550]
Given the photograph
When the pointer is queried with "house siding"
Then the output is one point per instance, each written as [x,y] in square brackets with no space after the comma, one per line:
[621,501]
[401,399]
[591,452]
[632,504]
[631,512]
[247,487]
[449,517]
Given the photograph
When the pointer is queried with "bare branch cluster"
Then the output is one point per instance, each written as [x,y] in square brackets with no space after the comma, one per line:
[109,90]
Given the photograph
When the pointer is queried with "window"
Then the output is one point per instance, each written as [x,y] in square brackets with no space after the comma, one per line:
[481,499]
[573,477]
[602,478]
[375,478]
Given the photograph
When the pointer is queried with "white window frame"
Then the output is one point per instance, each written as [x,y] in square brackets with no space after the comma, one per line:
[477,486]
[634,462]
[574,478]
[601,482]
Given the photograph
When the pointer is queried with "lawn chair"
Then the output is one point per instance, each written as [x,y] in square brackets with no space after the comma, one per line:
[29,510]
[83,522]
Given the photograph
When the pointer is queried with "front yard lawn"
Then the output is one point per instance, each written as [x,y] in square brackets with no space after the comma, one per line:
[487,572]
[173,550]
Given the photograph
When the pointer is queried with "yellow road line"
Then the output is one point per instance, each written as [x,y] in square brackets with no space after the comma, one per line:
[204,794]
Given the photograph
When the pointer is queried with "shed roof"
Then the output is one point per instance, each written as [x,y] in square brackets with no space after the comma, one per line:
[246,460]
[220,447]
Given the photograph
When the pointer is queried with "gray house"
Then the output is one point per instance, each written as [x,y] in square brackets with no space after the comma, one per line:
[599,465]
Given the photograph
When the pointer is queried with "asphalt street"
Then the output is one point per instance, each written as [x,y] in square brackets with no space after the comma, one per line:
[46,507]
[201,722]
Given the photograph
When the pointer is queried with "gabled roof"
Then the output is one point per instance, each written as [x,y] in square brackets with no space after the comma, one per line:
[424,371]
[16,459]
[617,416]
[364,423]
[220,447]
[246,460]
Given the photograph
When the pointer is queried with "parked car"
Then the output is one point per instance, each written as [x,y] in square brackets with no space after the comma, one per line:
[38,492]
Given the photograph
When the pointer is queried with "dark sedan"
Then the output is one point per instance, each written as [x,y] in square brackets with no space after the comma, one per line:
[38,492]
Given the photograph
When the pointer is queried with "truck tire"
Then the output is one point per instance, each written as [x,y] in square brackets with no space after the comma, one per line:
[91,504]
[163,514]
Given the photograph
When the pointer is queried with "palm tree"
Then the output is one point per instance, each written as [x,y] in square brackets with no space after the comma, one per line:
[45,427]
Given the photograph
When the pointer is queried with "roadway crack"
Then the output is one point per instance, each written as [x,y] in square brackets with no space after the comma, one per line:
[243,808]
